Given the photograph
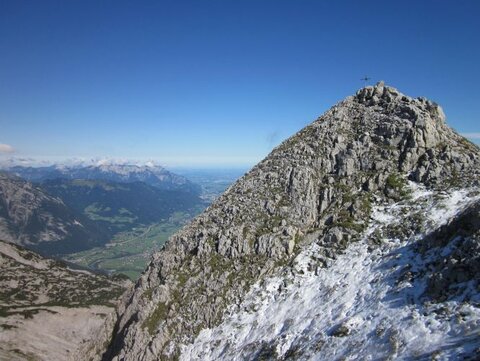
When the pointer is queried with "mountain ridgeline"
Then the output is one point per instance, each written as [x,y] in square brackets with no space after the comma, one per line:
[332,202]
[153,175]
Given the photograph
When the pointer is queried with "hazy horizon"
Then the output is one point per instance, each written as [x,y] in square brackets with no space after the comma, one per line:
[6,162]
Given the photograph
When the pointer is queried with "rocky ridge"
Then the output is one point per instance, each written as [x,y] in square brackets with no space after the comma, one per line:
[319,186]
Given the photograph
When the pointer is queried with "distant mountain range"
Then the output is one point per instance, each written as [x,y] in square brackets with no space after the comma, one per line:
[62,209]
[151,174]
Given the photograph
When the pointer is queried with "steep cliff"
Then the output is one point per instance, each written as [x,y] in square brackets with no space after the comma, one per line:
[318,192]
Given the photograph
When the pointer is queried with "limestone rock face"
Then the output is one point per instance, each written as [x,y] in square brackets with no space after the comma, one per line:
[320,184]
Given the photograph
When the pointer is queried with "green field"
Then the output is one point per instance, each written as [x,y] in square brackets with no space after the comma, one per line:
[129,252]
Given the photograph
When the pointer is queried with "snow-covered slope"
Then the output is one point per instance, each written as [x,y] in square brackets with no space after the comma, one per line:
[369,303]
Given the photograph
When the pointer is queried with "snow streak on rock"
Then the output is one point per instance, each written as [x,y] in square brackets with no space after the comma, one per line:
[368,303]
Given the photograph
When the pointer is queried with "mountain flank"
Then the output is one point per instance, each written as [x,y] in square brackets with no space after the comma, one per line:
[49,311]
[324,194]
[31,217]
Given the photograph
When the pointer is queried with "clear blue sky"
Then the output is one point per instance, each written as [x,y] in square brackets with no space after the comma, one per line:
[218,81]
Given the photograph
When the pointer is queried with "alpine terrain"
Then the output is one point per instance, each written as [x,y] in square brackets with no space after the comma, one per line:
[49,311]
[356,238]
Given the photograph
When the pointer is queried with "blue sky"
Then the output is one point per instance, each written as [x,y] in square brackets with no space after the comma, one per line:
[217,82]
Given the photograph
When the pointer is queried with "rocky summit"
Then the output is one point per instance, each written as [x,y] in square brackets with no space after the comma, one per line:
[356,238]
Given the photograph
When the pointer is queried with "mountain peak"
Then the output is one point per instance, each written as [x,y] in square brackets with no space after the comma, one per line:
[316,192]
[379,90]
[387,96]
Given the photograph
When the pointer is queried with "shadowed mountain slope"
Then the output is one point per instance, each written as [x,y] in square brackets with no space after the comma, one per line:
[31,217]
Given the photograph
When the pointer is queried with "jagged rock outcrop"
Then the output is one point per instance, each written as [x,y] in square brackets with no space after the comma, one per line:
[318,186]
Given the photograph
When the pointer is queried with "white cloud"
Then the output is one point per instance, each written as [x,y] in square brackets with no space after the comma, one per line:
[165,161]
[471,135]
[5,148]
